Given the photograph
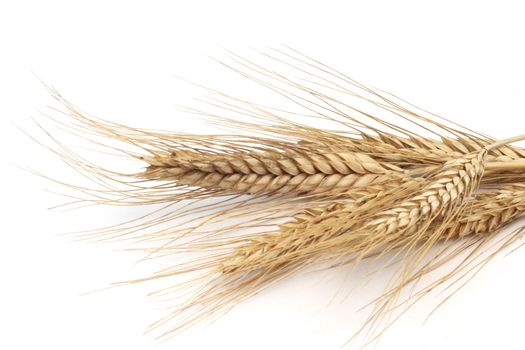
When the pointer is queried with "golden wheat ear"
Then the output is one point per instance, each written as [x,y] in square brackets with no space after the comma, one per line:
[327,94]
[181,166]
[210,165]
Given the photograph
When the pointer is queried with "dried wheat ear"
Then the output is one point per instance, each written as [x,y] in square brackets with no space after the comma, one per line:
[257,208]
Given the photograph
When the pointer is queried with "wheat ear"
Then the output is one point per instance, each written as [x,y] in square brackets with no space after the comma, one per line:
[491,211]
[306,229]
[418,152]
[290,162]
[486,213]
[254,183]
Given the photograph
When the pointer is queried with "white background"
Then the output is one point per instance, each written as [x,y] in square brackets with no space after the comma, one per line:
[118,60]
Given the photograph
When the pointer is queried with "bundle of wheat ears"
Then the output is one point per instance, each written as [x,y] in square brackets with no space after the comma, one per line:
[277,195]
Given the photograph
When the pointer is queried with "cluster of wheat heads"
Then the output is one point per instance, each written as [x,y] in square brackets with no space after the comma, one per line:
[277,195]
